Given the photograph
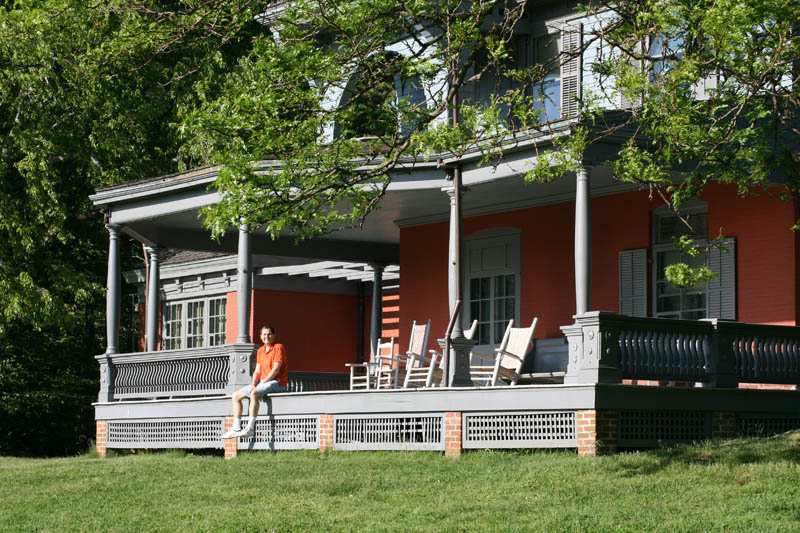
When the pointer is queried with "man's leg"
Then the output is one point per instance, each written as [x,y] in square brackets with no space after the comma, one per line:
[255,400]
[236,407]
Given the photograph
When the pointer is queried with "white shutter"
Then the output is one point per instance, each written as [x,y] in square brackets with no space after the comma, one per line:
[571,40]
[633,282]
[722,291]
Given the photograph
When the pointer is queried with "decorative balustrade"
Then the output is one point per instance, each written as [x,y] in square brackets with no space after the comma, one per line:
[211,371]
[215,370]
[606,348]
[763,353]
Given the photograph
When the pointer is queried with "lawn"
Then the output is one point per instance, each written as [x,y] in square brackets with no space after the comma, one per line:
[741,485]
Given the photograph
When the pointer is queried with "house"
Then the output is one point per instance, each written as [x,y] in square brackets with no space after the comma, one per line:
[585,254]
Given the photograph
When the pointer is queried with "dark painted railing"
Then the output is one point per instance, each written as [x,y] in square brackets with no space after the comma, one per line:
[318,381]
[606,348]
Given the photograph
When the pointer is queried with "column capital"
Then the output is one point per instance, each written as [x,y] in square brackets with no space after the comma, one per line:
[114,230]
[155,252]
[450,190]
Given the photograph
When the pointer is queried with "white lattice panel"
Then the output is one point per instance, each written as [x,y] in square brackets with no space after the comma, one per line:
[283,433]
[397,432]
[165,433]
[534,429]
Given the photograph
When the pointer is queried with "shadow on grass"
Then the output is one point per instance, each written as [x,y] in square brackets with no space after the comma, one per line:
[779,448]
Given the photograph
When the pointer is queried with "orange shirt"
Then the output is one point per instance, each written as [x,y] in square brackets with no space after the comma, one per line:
[266,358]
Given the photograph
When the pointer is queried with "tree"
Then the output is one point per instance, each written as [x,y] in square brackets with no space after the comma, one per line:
[276,103]
[87,96]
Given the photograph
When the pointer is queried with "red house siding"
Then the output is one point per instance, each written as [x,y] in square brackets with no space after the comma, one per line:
[767,257]
[320,331]
[766,252]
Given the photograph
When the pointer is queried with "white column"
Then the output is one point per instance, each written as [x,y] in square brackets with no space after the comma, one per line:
[244,273]
[452,275]
[153,300]
[113,290]
[376,323]
[583,241]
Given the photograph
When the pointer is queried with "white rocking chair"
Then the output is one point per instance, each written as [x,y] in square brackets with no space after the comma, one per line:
[419,367]
[509,357]
[378,372]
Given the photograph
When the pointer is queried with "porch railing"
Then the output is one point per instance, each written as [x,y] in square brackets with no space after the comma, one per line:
[210,371]
[606,348]
[214,370]
[318,381]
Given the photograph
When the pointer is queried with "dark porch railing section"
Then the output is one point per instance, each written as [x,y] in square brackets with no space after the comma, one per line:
[606,348]
[318,381]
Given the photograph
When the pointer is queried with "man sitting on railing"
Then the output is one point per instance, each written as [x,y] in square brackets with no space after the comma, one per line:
[270,377]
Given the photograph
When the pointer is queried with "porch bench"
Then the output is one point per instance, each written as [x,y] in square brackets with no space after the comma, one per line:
[547,363]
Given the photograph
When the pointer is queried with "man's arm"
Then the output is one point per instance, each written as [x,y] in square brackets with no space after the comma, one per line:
[276,366]
[256,372]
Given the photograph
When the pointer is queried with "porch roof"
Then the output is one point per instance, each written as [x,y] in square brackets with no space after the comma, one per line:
[164,211]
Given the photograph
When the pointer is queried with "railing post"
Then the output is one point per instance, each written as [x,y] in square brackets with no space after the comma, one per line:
[722,365]
[593,348]
[239,357]
[106,393]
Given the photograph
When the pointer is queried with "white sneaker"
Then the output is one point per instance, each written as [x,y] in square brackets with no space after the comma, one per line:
[231,433]
[246,432]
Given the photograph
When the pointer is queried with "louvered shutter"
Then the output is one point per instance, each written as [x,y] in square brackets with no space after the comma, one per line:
[571,40]
[722,291]
[633,282]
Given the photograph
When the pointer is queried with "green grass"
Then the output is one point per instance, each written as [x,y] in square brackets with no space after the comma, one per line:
[742,485]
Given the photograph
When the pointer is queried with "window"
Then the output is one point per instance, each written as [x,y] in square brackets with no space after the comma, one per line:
[194,323]
[555,95]
[492,303]
[370,101]
[714,299]
[173,326]
[492,283]
[671,301]
[547,92]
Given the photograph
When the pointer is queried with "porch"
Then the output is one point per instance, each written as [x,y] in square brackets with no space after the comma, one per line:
[180,399]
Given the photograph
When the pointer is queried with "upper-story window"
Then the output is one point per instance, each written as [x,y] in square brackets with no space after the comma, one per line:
[194,323]
[547,92]
[554,46]
[372,98]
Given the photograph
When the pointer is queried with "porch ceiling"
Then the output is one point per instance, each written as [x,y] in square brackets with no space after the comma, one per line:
[168,216]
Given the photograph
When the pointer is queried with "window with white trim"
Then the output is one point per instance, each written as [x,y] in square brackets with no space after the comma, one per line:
[713,299]
[671,301]
[194,323]
[492,283]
